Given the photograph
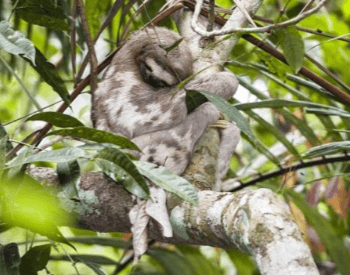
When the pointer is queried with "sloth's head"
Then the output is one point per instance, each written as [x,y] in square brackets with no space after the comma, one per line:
[158,67]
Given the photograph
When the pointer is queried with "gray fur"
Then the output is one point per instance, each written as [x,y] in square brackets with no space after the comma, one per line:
[137,98]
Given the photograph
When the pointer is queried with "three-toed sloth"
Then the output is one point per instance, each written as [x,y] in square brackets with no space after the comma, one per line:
[137,98]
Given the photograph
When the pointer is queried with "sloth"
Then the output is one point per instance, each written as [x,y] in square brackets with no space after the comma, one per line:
[139,99]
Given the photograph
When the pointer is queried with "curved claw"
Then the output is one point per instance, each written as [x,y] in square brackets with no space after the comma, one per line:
[221,124]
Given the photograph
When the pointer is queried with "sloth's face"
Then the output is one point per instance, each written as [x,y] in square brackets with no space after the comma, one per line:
[160,68]
[156,74]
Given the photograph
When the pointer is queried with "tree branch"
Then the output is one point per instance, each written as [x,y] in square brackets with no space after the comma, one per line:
[287,169]
[249,5]
[220,219]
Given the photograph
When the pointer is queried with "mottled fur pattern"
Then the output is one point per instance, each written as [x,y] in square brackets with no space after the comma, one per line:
[137,98]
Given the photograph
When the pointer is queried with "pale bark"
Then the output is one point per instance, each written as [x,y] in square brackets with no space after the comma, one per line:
[256,222]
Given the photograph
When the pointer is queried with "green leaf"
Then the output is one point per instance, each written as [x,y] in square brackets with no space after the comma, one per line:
[62,155]
[57,119]
[169,181]
[69,176]
[334,244]
[328,149]
[279,103]
[302,126]
[20,168]
[120,168]
[193,100]
[168,48]
[269,127]
[242,262]
[260,147]
[94,10]
[201,264]
[35,259]
[85,258]
[97,136]
[232,113]
[94,267]
[49,14]
[50,74]
[9,259]
[26,203]
[326,121]
[292,46]
[331,112]
[172,262]
[113,242]
[91,261]
[2,134]
[15,43]
[3,142]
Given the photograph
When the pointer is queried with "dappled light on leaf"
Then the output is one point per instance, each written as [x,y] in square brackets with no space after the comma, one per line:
[25,203]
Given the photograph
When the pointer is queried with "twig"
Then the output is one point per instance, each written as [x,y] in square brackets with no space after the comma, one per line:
[244,11]
[308,4]
[128,259]
[109,18]
[49,144]
[306,72]
[317,32]
[290,168]
[328,72]
[293,21]
[211,17]
[136,13]
[14,151]
[90,44]
[73,39]
[164,14]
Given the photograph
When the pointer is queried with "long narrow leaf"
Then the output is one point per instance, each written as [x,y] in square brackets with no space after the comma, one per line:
[330,112]
[300,124]
[120,168]
[97,136]
[84,258]
[260,147]
[15,43]
[326,121]
[49,14]
[49,73]
[328,149]
[280,103]
[99,241]
[173,263]
[232,113]
[56,119]
[275,131]
[169,181]
[62,155]
[292,45]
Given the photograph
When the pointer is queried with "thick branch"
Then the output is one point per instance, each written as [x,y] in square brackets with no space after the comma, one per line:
[255,221]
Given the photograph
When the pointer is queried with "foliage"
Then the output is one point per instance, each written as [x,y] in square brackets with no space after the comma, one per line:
[284,118]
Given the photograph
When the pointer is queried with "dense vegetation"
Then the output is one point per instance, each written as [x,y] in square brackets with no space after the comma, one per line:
[295,135]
